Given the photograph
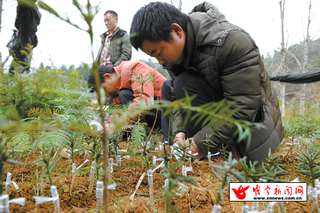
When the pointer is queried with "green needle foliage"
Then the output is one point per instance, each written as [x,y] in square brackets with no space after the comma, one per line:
[114,143]
[302,125]
[309,164]
[183,152]
[225,173]
[209,143]
[215,115]
[48,160]
[251,172]
[274,169]
[4,158]
[140,142]
[174,178]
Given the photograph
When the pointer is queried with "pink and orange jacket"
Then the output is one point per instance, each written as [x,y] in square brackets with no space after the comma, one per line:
[129,73]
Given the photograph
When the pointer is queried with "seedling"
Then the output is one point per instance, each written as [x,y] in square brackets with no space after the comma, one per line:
[210,144]
[94,150]
[74,169]
[48,160]
[74,146]
[252,173]
[4,158]
[228,170]
[150,181]
[173,180]
[139,140]
[309,164]
[183,151]
[114,142]
[273,169]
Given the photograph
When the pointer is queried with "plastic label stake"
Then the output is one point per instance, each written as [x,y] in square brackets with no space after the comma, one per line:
[194,154]
[54,198]
[315,191]
[82,164]
[166,183]
[4,203]
[150,181]
[161,165]
[93,169]
[111,164]
[9,181]
[121,150]
[119,160]
[185,170]
[176,153]
[155,159]
[182,187]
[99,192]
[216,209]
[212,155]
[97,125]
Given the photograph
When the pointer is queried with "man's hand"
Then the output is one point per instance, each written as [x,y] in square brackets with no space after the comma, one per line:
[181,140]
[108,129]
[108,126]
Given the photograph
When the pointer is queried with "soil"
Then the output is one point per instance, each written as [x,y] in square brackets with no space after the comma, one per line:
[199,198]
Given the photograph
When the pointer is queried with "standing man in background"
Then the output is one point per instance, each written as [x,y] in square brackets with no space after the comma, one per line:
[115,44]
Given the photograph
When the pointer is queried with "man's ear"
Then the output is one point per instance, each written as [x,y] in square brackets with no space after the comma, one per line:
[107,76]
[176,28]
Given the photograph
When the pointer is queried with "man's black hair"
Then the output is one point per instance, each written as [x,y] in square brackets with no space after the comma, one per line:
[112,12]
[102,69]
[153,21]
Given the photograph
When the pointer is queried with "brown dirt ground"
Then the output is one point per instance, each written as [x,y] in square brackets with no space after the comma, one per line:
[196,199]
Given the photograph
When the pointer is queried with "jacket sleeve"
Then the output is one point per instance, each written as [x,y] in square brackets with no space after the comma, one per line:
[142,92]
[238,63]
[126,50]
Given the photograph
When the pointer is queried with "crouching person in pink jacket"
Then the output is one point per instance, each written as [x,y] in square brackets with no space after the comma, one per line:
[130,83]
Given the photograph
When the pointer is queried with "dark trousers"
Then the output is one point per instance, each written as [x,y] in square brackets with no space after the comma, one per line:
[167,121]
[192,84]
[152,118]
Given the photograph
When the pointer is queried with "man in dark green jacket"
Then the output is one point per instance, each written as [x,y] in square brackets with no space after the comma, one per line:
[115,44]
[215,60]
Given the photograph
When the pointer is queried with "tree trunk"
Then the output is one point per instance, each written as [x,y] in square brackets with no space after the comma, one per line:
[283,53]
[0,16]
[0,32]
[2,62]
[305,63]
[179,4]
